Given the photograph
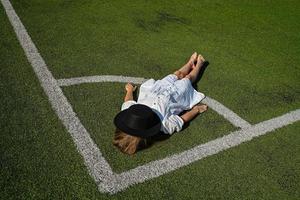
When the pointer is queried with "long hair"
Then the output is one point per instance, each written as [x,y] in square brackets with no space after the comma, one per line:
[127,143]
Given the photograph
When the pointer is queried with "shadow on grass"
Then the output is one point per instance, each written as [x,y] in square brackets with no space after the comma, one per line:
[145,144]
[199,77]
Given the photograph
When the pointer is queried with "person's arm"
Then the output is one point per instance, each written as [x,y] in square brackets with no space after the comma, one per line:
[188,116]
[129,92]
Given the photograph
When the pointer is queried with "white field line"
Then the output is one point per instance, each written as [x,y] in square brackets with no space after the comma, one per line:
[98,167]
[168,164]
[97,79]
[213,104]
[228,114]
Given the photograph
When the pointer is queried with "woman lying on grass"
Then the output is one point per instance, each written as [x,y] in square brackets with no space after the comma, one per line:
[158,107]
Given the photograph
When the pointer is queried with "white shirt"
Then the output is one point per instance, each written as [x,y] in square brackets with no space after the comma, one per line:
[167,98]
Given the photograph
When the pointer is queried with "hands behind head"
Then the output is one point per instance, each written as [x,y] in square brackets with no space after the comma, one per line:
[130,87]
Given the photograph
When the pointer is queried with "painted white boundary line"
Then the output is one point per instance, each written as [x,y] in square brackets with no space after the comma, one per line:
[98,167]
[228,114]
[160,167]
[232,117]
[97,79]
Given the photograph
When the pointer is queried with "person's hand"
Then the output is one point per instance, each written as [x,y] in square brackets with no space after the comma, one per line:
[200,108]
[129,87]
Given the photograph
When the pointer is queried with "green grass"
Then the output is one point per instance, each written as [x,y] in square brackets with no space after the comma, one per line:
[38,158]
[253,48]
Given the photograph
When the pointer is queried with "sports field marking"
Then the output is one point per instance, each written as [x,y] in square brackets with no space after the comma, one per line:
[228,114]
[171,163]
[97,79]
[98,167]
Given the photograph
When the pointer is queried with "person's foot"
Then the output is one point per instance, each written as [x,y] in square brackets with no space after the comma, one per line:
[200,61]
[193,60]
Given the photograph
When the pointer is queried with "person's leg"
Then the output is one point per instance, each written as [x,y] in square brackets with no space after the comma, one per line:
[194,73]
[185,69]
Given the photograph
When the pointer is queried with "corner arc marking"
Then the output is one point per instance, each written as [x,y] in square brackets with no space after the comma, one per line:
[98,79]
[228,114]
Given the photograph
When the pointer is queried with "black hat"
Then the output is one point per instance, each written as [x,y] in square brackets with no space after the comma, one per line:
[138,120]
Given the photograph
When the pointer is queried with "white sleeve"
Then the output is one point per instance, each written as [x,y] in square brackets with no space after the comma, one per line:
[127,104]
[172,124]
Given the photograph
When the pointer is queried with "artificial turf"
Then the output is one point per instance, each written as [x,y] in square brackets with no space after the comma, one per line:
[38,159]
[252,46]
[253,49]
